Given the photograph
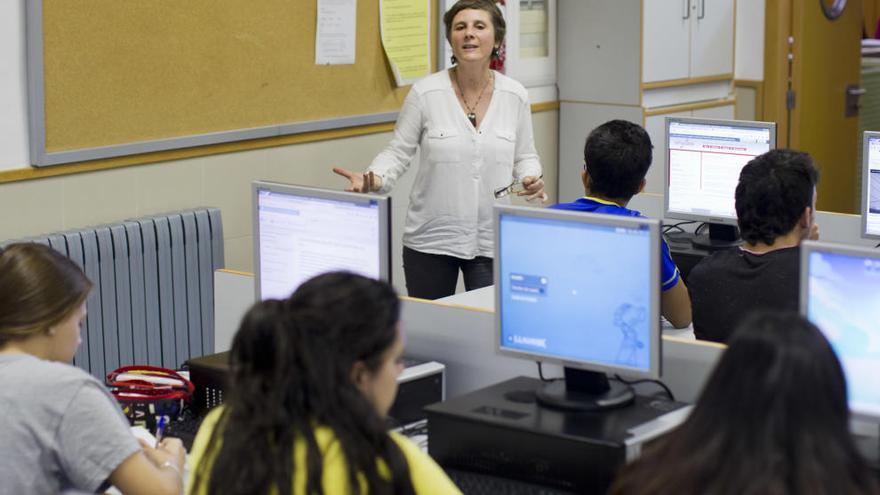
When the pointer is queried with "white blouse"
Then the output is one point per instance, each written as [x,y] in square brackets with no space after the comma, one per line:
[450,207]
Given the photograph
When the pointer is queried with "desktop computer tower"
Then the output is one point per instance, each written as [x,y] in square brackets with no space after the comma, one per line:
[501,430]
[421,383]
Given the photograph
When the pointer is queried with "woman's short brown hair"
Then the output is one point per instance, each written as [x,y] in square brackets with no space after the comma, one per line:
[487,5]
[39,287]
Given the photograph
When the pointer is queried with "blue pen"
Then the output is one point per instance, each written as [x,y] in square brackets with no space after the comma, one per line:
[160,429]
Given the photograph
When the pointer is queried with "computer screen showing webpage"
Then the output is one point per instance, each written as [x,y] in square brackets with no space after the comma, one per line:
[843,300]
[301,236]
[872,212]
[576,291]
[704,165]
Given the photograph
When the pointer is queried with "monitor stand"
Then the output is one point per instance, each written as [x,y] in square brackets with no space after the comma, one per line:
[720,237]
[585,391]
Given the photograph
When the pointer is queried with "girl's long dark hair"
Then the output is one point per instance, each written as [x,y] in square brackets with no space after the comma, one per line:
[772,419]
[291,371]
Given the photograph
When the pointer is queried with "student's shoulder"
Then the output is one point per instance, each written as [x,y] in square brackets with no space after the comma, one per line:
[714,262]
[36,370]
[426,475]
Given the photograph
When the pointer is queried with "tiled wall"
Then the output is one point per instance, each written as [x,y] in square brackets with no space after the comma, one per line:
[58,203]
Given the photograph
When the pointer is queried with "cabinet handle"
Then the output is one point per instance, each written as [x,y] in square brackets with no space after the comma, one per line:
[702,13]
[687,9]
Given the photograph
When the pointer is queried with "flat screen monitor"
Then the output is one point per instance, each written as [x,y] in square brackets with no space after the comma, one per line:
[703,164]
[300,232]
[871,185]
[581,290]
[840,294]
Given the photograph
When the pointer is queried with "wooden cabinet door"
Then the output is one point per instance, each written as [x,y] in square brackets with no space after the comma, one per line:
[666,34]
[712,37]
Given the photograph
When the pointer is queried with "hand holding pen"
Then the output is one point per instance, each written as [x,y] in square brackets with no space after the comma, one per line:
[160,430]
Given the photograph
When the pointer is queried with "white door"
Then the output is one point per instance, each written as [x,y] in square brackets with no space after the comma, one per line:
[666,39]
[712,37]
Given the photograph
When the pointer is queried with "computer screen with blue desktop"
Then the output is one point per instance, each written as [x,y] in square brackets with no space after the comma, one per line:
[703,164]
[840,294]
[581,290]
[300,232]
[871,185]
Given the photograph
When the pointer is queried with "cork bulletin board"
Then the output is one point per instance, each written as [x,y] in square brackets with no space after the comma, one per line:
[119,77]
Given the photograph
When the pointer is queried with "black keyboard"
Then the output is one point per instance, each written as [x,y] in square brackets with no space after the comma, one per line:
[471,483]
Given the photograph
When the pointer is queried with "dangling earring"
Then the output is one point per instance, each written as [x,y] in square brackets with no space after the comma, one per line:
[495,53]
[453,60]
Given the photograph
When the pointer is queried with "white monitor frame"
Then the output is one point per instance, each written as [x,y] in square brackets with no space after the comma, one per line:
[655,341]
[866,183]
[807,249]
[717,219]
[384,226]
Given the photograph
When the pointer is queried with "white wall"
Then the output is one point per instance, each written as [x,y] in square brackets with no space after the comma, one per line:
[13,95]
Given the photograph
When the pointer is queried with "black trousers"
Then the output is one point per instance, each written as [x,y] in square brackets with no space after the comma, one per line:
[432,276]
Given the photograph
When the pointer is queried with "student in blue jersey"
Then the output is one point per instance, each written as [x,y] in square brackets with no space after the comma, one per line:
[616,158]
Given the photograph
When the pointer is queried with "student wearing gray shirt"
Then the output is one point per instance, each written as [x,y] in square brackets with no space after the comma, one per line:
[61,429]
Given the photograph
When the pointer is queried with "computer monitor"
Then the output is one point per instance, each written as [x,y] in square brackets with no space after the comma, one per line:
[581,290]
[704,159]
[871,185]
[300,232]
[840,294]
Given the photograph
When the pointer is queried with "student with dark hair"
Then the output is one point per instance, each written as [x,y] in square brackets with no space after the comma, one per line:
[61,428]
[775,208]
[617,156]
[312,379]
[772,419]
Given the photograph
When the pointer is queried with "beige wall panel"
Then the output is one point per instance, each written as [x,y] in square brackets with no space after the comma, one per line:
[169,186]
[228,186]
[238,253]
[99,197]
[29,208]
[745,103]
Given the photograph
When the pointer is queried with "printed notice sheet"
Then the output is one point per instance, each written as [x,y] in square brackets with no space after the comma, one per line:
[335,33]
[406,35]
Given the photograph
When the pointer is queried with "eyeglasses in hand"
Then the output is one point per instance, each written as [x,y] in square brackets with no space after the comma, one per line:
[515,187]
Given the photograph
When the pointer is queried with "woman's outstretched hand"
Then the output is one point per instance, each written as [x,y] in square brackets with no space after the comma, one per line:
[360,182]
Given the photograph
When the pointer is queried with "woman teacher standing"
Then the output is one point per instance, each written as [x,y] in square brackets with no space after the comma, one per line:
[472,127]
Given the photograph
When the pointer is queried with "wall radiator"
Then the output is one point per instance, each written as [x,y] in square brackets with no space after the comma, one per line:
[153,299]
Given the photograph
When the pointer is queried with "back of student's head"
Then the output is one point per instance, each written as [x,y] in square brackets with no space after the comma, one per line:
[773,190]
[292,364]
[38,289]
[772,418]
[617,156]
